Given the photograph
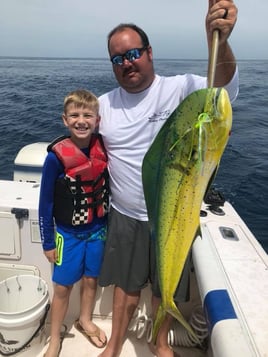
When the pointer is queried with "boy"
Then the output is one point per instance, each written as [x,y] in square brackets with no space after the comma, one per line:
[73,202]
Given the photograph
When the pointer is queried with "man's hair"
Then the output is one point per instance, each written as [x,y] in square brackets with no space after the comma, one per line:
[121,27]
[81,98]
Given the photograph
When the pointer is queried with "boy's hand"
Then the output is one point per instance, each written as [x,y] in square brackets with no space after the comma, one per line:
[51,255]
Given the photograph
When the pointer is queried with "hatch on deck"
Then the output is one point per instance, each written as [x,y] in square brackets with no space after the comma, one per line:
[10,232]
[8,270]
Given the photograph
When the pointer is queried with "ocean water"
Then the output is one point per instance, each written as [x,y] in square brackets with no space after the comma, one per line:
[32,92]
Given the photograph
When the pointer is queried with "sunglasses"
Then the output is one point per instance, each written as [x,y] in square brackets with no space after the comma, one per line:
[131,55]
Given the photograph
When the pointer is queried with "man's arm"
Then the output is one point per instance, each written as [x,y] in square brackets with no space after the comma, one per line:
[222,16]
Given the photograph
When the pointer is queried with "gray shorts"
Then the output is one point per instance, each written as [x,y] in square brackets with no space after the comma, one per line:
[129,258]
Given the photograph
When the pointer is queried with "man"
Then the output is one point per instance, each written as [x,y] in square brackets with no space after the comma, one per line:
[131,116]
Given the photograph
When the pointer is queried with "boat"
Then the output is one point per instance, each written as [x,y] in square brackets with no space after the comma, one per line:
[228,294]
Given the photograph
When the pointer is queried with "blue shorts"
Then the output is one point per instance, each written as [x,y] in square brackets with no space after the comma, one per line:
[79,254]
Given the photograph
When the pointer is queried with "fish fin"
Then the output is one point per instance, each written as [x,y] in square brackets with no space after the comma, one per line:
[211,179]
[160,317]
[175,312]
[198,232]
[150,172]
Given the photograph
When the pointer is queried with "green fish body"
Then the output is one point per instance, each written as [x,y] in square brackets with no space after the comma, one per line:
[176,171]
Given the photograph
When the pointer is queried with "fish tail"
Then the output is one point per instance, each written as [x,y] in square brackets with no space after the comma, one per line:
[174,311]
[160,317]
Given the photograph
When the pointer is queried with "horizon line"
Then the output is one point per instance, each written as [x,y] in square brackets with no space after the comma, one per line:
[106,58]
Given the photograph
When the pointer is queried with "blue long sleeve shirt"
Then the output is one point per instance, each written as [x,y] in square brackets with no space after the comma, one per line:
[52,170]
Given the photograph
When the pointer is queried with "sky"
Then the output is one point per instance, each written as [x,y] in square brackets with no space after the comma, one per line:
[79,28]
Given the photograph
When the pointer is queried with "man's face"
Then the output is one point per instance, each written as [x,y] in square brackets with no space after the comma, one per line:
[137,75]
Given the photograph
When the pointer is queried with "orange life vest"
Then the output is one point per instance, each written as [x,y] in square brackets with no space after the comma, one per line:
[84,191]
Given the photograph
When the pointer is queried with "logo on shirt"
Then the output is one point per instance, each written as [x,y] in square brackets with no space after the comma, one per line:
[160,116]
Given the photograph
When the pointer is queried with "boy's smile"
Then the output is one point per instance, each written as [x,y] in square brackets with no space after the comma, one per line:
[81,122]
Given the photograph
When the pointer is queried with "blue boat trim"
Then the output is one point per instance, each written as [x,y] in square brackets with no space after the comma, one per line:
[218,306]
[25,168]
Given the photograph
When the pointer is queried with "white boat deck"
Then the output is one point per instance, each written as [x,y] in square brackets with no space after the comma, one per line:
[238,267]
[75,344]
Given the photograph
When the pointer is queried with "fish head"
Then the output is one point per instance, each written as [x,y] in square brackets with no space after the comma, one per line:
[217,119]
[202,129]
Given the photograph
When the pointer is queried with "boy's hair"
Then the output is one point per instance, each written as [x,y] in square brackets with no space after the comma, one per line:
[81,98]
[121,27]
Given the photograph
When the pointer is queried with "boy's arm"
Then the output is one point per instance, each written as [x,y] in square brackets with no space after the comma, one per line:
[50,174]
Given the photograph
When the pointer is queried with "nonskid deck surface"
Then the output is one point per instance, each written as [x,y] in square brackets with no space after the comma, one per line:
[74,344]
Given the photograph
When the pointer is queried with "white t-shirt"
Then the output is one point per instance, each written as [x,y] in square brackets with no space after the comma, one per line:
[130,122]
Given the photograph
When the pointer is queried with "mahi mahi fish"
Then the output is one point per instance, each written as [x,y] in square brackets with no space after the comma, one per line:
[177,171]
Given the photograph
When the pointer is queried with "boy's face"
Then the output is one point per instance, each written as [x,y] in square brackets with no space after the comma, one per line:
[81,122]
